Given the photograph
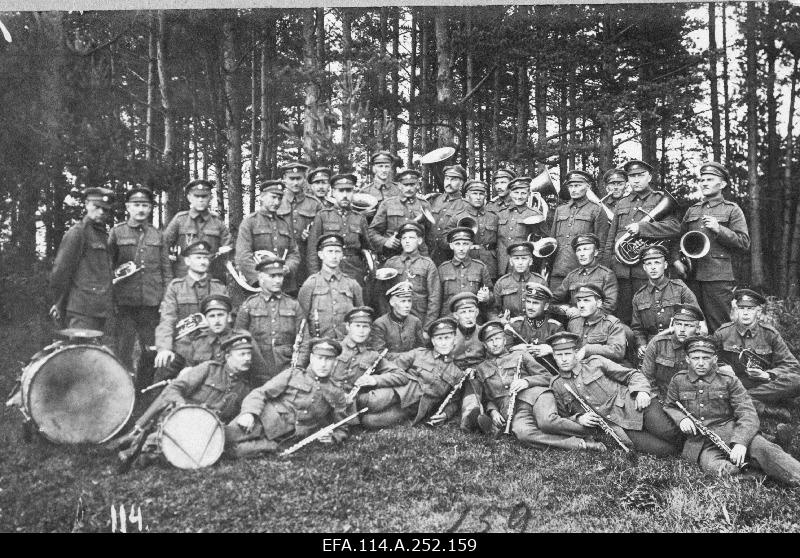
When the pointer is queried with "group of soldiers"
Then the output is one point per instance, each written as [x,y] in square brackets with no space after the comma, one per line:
[575,350]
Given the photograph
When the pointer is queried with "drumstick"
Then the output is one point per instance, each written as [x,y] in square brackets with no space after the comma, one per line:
[174,441]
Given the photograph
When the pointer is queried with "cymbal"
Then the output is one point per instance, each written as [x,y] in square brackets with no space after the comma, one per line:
[437,155]
[79,333]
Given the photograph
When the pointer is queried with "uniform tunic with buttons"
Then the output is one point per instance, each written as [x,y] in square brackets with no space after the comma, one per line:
[464,276]
[142,244]
[354,361]
[534,331]
[443,207]
[572,219]
[297,403]
[468,350]
[181,299]
[274,321]
[299,211]
[380,190]
[392,213]
[486,237]
[663,358]
[206,345]
[263,230]
[333,294]
[397,335]
[426,300]
[212,384]
[602,334]
[511,230]
[607,386]
[82,270]
[353,228]
[654,306]
[494,375]
[596,274]
[509,290]
[497,205]
[190,226]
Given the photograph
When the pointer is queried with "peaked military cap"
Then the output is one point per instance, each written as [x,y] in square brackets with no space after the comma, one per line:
[459,300]
[579,176]
[360,314]
[475,186]
[216,302]
[325,346]
[200,247]
[615,173]
[537,291]
[636,166]
[520,249]
[410,175]
[402,289]
[199,187]
[385,157]
[585,238]
[589,289]
[331,239]
[519,183]
[490,329]
[688,312]
[748,297]
[344,181]
[409,227]
[456,170]
[101,196]
[319,172]
[238,339]
[704,343]
[271,264]
[294,166]
[441,326]
[139,194]
[564,340]
[507,173]
[271,186]
[654,251]
[712,167]
[460,233]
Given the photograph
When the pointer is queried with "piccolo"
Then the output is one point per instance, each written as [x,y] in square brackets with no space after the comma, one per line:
[320,433]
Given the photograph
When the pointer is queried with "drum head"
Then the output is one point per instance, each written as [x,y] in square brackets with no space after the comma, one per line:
[78,394]
[192,437]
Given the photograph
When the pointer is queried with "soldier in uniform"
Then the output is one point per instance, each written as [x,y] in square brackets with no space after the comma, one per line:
[443,207]
[418,389]
[266,230]
[398,330]
[272,317]
[182,298]
[511,228]
[298,210]
[587,251]
[319,185]
[341,220]
[534,326]
[773,375]
[329,294]
[723,223]
[421,271]
[462,273]
[510,288]
[715,396]
[654,304]
[198,223]
[664,356]
[396,211]
[536,422]
[138,296]
[621,395]
[500,181]
[628,216]
[81,277]
[382,185]
[576,217]
[484,246]
[601,334]
[292,405]
[616,181]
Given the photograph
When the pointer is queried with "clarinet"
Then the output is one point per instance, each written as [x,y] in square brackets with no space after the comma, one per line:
[297,341]
[320,433]
[316,324]
[707,432]
[351,396]
[467,374]
[603,424]
[513,399]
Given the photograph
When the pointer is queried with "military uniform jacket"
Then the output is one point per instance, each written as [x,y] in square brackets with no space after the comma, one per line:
[399,336]
[212,384]
[333,294]
[274,321]
[663,358]
[632,209]
[298,210]
[485,238]
[607,386]
[719,401]
[82,271]
[494,375]
[354,361]
[296,401]
[468,350]
[534,331]
[206,345]
[511,230]
[595,273]
[572,219]
[264,231]
[509,289]
[381,190]
[143,245]
[465,276]
[764,340]
[426,300]
[190,226]
[733,236]
[654,306]
[182,298]
[393,212]
[602,334]
[425,379]
[443,207]
[351,226]
[497,205]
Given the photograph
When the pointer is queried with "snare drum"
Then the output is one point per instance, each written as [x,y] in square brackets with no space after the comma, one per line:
[77,393]
[191,437]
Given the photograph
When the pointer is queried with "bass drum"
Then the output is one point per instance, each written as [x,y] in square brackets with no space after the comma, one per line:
[191,437]
[77,394]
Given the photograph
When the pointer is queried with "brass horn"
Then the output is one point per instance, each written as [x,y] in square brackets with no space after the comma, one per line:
[469,223]
[545,184]
[628,247]
[545,247]
[694,245]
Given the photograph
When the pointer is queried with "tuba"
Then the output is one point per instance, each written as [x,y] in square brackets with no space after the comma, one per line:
[628,247]
[694,245]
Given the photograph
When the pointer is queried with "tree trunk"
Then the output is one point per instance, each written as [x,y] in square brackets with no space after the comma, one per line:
[312,90]
[771,205]
[382,79]
[496,118]
[471,107]
[751,86]
[725,80]
[168,156]
[716,144]
[267,47]
[411,85]
[523,107]
[788,281]
[152,84]
[232,125]
[424,87]
[253,119]
[540,105]
[395,77]
[348,101]
[444,77]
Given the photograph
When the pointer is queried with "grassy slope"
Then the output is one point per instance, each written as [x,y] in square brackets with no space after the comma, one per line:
[400,480]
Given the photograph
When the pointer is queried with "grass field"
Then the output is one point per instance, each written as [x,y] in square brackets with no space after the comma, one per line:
[391,481]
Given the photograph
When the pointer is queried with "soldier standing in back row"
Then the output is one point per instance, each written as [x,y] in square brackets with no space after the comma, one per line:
[383,185]
[484,247]
[444,206]
[319,185]
[616,181]
[396,211]
[511,226]
[500,181]
[298,210]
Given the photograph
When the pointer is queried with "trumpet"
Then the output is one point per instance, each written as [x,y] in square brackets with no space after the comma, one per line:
[694,245]
[628,247]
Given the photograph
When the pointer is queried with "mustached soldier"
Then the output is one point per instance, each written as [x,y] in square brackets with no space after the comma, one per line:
[500,181]
[484,245]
